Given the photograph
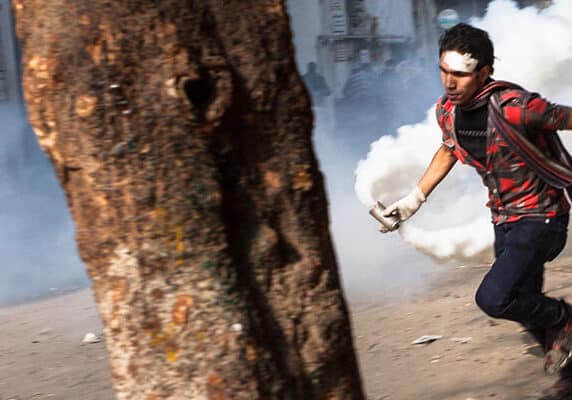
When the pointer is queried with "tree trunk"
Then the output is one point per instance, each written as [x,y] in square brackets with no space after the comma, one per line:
[180,131]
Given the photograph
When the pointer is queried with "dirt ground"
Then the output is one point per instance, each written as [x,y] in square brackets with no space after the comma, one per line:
[476,358]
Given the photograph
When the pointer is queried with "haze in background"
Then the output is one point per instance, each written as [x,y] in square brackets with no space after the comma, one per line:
[372,265]
[37,244]
[534,49]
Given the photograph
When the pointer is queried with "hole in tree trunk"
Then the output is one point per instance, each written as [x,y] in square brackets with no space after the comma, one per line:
[200,92]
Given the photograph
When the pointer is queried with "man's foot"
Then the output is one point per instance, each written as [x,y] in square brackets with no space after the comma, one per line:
[556,359]
[559,341]
[561,390]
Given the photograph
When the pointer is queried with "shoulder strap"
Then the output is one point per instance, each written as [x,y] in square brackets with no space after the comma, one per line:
[555,169]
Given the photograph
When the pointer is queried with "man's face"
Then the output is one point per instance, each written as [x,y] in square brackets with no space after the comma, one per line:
[460,84]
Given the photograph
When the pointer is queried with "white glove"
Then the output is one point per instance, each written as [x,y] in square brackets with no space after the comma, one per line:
[407,206]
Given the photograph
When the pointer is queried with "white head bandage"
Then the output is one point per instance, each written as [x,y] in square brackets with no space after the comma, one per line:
[460,62]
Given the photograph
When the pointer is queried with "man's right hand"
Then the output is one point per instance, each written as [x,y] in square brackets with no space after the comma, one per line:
[407,206]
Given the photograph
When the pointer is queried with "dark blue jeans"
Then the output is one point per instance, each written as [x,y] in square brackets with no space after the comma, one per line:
[512,289]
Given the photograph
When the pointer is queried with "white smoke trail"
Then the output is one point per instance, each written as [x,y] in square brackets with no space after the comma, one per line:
[533,49]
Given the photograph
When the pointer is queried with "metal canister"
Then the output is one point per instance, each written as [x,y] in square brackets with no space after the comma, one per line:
[391,223]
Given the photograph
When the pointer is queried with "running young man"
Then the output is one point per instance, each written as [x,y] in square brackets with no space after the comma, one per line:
[509,136]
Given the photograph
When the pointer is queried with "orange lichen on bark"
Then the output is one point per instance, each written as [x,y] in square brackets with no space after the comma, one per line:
[110,43]
[276,8]
[214,379]
[157,339]
[251,353]
[179,239]
[302,180]
[216,395]
[85,105]
[181,309]
[272,179]
[214,383]
[96,52]
[119,289]
[160,215]
[200,337]
[84,20]
[39,69]
[171,354]
[50,115]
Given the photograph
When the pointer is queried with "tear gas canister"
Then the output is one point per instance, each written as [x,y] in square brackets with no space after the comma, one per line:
[390,223]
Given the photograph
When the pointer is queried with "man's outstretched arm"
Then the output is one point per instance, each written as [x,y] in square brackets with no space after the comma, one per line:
[440,165]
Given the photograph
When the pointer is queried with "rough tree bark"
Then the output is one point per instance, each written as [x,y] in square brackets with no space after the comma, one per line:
[180,131]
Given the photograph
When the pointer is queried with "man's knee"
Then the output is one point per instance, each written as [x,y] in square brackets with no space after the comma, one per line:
[491,301]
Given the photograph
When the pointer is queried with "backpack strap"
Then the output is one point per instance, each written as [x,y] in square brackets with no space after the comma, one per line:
[556,168]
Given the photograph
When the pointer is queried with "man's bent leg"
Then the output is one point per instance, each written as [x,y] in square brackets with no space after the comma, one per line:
[506,291]
[525,246]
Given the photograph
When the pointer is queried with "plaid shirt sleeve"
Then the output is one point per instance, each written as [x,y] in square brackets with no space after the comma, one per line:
[539,114]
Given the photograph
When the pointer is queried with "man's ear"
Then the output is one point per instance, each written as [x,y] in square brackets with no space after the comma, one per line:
[484,73]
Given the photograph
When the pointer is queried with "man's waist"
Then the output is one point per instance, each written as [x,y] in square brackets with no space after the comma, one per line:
[504,219]
[512,214]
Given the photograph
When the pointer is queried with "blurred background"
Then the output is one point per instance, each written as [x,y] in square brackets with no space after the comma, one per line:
[370,67]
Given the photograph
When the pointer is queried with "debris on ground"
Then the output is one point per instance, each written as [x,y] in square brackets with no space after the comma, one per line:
[462,340]
[426,339]
[91,338]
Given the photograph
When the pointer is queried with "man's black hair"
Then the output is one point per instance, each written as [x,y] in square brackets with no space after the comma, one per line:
[465,38]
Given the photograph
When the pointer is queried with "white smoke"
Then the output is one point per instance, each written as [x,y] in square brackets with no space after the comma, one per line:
[534,49]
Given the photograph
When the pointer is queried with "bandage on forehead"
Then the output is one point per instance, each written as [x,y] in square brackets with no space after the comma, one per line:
[460,62]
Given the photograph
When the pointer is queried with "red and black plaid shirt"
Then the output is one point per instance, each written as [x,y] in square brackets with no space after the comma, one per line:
[515,190]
